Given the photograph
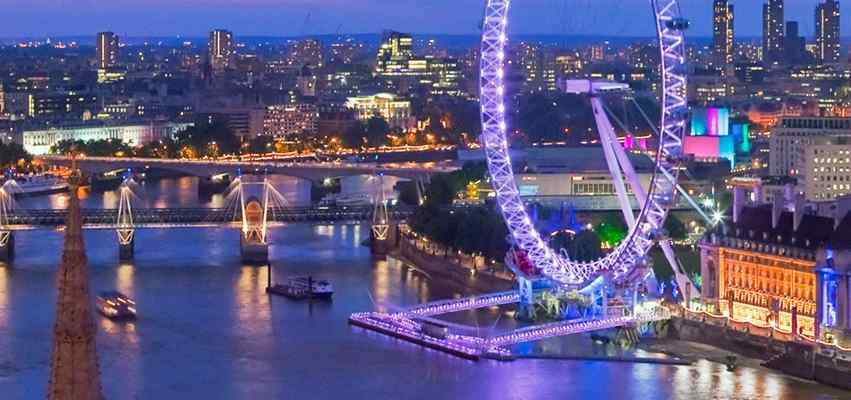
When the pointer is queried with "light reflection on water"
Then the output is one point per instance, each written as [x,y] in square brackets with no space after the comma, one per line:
[207,329]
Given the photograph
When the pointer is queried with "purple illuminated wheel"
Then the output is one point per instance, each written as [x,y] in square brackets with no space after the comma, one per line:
[659,196]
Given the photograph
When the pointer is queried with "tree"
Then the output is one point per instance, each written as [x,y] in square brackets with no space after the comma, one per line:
[209,135]
[355,136]
[611,230]
[261,144]
[675,227]
[585,247]
[376,131]
[13,154]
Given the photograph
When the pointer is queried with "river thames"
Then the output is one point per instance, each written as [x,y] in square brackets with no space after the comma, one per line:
[207,329]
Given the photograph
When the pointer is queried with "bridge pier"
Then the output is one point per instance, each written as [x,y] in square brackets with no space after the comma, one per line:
[253,252]
[7,246]
[382,239]
[126,251]
[526,305]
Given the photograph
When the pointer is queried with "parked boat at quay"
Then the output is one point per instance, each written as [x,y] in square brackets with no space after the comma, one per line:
[39,185]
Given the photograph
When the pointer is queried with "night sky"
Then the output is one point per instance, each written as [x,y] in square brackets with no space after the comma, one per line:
[39,18]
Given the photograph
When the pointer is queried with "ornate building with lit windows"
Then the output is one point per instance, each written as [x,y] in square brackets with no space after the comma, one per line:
[781,268]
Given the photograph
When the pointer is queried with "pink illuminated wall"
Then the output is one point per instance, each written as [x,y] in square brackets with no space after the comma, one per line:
[702,146]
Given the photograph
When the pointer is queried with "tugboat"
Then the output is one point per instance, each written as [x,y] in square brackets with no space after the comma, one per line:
[115,305]
[301,288]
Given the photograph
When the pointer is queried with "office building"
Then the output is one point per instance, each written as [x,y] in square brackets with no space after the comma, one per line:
[299,119]
[791,136]
[828,48]
[826,172]
[772,31]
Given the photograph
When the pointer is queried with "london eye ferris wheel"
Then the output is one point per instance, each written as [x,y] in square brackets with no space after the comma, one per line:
[654,201]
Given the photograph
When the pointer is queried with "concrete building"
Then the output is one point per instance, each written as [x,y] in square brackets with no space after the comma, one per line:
[395,111]
[243,121]
[39,141]
[791,136]
[576,176]
[301,119]
[826,172]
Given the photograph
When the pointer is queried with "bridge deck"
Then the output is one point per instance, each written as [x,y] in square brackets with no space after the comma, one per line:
[189,217]
[457,305]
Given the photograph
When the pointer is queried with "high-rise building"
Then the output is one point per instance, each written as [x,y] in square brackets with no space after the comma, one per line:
[794,45]
[396,62]
[107,50]
[828,49]
[772,30]
[722,32]
[222,51]
[395,52]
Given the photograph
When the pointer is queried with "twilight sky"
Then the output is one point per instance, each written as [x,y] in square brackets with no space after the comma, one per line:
[286,17]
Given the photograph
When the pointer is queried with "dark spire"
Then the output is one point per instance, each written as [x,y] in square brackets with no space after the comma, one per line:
[74,370]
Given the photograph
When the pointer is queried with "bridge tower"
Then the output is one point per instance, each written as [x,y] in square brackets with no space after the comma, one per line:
[7,238]
[381,233]
[255,213]
[125,229]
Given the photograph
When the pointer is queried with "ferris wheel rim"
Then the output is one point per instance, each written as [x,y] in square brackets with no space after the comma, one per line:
[662,190]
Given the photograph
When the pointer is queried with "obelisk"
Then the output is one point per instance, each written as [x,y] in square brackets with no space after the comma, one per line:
[74,370]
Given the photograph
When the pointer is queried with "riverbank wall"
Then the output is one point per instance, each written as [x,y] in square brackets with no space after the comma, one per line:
[799,359]
[449,269]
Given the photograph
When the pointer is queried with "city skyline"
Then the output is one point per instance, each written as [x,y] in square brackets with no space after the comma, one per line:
[42,18]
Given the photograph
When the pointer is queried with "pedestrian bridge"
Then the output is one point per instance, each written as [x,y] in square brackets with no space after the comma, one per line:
[252,215]
[164,218]
[408,325]
[313,171]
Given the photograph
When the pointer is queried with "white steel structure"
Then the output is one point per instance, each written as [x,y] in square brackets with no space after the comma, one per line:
[646,227]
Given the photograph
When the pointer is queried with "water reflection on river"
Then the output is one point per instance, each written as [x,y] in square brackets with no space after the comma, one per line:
[208,330]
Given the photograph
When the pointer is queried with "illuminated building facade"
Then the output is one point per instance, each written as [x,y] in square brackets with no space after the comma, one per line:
[39,141]
[107,50]
[222,50]
[772,30]
[723,39]
[828,47]
[779,269]
[712,137]
[70,104]
[395,111]
[396,62]
[291,120]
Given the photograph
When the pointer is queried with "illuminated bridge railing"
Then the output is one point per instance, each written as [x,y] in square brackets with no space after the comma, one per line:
[468,303]
[565,328]
[163,217]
